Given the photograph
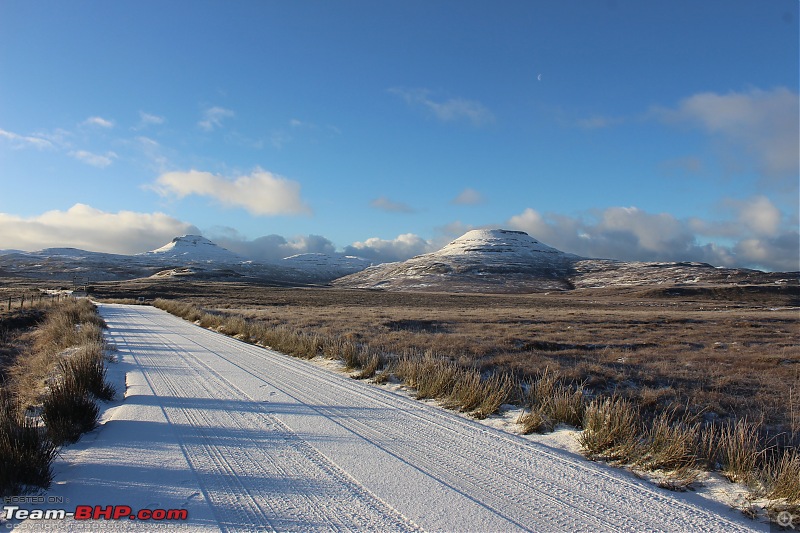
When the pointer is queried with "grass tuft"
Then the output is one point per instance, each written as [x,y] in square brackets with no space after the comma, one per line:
[784,477]
[27,454]
[68,409]
[611,429]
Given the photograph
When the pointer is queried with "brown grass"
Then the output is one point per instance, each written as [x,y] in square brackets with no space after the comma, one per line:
[674,381]
[59,367]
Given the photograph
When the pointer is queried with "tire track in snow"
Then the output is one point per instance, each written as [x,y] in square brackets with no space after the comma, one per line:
[528,479]
[256,472]
[461,475]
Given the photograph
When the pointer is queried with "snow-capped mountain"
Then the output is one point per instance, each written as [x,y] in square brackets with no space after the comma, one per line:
[495,260]
[193,249]
[491,261]
[506,261]
[326,266]
[187,256]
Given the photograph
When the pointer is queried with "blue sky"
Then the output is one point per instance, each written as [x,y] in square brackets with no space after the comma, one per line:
[633,130]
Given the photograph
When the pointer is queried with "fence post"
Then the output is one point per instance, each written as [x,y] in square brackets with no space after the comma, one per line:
[9,303]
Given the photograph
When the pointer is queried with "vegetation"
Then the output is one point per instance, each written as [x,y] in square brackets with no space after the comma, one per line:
[56,374]
[26,451]
[627,418]
[640,377]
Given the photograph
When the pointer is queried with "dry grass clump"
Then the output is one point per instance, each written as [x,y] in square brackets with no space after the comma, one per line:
[457,387]
[68,409]
[550,402]
[88,370]
[670,442]
[27,453]
[181,309]
[782,477]
[611,429]
[739,450]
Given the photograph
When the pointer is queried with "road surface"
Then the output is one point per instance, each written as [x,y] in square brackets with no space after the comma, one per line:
[247,439]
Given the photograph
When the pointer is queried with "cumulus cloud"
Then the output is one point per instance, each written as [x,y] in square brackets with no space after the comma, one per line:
[385,204]
[260,193]
[450,110]
[760,123]
[18,141]
[270,248]
[755,235]
[387,250]
[96,160]
[213,117]
[100,122]
[468,197]
[85,227]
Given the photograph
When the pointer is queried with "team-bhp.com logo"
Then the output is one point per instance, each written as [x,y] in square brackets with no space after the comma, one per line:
[96,512]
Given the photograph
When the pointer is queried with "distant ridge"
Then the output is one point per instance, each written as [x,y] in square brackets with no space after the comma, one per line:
[325,265]
[508,261]
[483,261]
[184,257]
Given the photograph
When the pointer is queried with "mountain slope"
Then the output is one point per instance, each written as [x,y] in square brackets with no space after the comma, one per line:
[326,266]
[494,260]
[504,261]
[189,256]
[193,248]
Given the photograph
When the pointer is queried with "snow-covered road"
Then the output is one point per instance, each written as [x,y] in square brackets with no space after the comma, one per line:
[248,439]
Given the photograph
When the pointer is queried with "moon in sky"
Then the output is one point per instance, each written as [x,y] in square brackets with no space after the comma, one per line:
[539,77]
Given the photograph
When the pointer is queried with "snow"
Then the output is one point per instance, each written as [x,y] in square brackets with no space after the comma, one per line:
[245,439]
[194,248]
[507,261]
[512,244]
[494,260]
[330,266]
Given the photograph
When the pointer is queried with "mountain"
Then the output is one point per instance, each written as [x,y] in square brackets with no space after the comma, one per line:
[72,264]
[495,260]
[188,256]
[193,249]
[326,266]
[505,261]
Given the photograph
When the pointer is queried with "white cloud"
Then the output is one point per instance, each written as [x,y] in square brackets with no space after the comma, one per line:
[260,193]
[99,122]
[760,123]
[754,235]
[25,141]
[148,119]
[778,253]
[271,248]
[449,110]
[85,227]
[152,150]
[398,249]
[96,160]
[213,117]
[385,204]
[469,197]
[759,215]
